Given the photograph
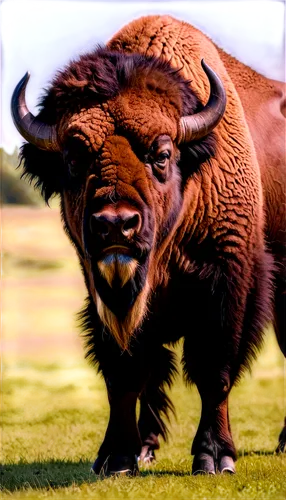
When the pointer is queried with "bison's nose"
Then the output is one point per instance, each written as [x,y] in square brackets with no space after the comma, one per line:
[125,223]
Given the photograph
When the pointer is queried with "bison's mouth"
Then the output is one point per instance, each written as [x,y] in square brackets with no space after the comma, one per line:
[117,265]
[117,249]
[119,274]
[97,247]
[118,241]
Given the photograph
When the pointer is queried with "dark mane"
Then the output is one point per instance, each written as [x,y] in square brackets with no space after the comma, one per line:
[103,74]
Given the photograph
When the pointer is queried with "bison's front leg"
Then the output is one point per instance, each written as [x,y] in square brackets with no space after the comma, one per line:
[149,425]
[122,444]
[213,446]
[125,375]
[229,310]
[155,403]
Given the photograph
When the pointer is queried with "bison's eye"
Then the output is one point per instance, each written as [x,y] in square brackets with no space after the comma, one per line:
[162,159]
[77,159]
[73,167]
[159,157]
[76,167]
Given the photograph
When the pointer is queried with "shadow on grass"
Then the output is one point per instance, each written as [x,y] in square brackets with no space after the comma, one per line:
[260,453]
[59,474]
[158,472]
[50,474]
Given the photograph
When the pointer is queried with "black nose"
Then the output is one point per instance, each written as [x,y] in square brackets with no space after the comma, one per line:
[124,222]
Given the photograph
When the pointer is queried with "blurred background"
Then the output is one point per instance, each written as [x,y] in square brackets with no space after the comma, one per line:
[42,288]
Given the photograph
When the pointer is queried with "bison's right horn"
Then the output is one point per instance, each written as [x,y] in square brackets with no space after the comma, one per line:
[196,126]
[30,127]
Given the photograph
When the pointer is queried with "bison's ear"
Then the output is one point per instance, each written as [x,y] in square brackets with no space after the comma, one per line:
[43,169]
[195,153]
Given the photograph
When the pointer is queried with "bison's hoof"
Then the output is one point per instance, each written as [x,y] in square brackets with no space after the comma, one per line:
[116,464]
[282,440]
[281,447]
[147,456]
[226,465]
[203,464]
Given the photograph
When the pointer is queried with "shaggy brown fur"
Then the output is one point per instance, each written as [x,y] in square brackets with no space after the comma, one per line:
[200,234]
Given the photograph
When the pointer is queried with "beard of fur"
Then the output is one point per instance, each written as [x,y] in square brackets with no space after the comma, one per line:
[114,266]
[123,331]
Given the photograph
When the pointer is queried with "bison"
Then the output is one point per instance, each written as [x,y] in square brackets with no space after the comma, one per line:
[170,175]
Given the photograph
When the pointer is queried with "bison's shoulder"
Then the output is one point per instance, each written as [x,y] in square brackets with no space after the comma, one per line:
[172,40]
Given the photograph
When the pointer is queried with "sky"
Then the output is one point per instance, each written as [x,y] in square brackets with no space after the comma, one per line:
[41,36]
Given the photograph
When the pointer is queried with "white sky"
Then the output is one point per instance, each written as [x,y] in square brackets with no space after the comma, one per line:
[43,35]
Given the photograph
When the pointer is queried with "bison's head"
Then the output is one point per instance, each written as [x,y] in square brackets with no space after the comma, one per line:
[110,139]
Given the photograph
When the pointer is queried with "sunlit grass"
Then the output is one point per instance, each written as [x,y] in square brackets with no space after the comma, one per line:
[54,418]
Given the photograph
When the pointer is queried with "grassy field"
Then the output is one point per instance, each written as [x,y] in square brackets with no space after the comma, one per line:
[54,408]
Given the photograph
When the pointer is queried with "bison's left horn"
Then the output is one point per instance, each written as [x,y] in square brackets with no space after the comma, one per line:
[30,127]
[196,126]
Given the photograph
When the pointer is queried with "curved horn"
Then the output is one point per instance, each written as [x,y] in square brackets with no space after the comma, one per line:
[196,126]
[30,127]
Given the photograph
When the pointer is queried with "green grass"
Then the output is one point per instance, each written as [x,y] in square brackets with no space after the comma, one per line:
[54,408]
[54,417]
